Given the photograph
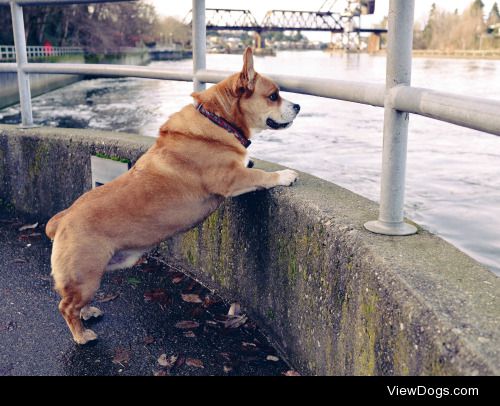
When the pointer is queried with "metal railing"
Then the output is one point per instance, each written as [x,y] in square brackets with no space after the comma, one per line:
[8,52]
[397,96]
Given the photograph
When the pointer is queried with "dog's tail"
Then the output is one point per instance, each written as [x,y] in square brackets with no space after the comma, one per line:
[53,223]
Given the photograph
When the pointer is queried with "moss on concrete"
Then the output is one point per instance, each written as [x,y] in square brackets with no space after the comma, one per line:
[335,298]
[41,154]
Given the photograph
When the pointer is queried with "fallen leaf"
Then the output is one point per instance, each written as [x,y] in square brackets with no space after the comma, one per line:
[148,340]
[235,321]
[108,298]
[210,300]
[189,334]
[178,277]
[245,344]
[156,295]
[191,298]
[234,310]
[162,372]
[191,286]
[291,373]
[225,355]
[195,363]
[167,362]
[134,281]
[28,227]
[187,324]
[272,358]
[180,361]
[122,355]
[227,368]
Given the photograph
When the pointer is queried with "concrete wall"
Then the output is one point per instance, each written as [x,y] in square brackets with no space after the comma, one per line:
[334,298]
[40,83]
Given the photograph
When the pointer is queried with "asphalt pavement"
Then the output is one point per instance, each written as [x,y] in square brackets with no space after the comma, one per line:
[157,321]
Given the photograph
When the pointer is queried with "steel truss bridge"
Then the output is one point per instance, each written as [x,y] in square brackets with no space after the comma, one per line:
[219,19]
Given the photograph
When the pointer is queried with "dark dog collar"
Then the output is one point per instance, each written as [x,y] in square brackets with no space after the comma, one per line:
[214,118]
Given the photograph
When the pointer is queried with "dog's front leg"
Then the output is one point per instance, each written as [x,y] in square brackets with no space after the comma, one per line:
[246,180]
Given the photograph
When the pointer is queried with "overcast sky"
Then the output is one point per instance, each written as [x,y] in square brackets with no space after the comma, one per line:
[180,8]
[258,8]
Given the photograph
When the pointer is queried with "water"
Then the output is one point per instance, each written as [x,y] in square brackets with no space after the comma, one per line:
[453,182]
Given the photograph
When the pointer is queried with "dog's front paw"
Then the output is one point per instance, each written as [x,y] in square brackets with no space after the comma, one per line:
[287,177]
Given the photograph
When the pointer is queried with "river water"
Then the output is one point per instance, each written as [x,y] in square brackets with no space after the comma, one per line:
[453,175]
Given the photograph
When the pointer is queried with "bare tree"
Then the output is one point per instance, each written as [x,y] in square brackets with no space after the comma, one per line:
[98,27]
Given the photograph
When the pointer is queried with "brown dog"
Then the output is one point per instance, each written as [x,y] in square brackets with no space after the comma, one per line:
[198,160]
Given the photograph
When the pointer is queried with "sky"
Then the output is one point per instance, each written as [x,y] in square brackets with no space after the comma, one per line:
[258,8]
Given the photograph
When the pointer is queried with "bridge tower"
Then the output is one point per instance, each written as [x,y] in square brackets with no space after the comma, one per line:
[258,40]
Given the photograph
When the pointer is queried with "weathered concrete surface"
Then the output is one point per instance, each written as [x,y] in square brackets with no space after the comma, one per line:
[337,299]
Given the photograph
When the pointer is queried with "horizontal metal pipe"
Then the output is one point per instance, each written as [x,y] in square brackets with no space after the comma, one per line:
[8,67]
[471,112]
[55,2]
[476,113]
[357,92]
[105,70]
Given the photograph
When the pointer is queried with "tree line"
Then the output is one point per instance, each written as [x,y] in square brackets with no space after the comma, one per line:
[96,27]
[468,30]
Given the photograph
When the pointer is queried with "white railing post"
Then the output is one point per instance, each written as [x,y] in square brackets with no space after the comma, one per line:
[23,79]
[399,57]
[199,42]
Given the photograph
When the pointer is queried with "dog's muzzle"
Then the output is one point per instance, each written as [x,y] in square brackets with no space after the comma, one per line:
[278,126]
[275,125]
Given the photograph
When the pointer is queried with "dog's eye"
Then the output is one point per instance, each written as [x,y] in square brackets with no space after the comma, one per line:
[274,97]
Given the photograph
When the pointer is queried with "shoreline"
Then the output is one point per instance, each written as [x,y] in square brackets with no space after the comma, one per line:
[472,54]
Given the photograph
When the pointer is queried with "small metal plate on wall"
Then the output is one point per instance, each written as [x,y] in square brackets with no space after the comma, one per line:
[105,170]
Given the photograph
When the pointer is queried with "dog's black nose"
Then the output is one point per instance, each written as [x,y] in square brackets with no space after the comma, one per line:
[296,107]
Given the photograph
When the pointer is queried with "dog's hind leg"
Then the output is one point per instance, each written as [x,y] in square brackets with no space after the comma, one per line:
[77,276]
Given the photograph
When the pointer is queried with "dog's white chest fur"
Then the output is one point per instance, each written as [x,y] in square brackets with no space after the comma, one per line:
[246,159]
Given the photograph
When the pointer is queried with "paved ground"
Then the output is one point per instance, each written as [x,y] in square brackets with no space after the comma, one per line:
[142,308]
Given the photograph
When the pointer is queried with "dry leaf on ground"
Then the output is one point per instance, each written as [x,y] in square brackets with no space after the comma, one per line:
[235,321]
[148,340]
[291,373]
[156,295]
[187,324]
[107,298]
[177,279]
[193,362]
[210,300]
[28,227]
[167,362]
[121,356]
[191,298]
[234,310]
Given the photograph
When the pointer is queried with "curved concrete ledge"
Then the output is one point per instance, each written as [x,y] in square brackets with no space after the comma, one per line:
[335,298]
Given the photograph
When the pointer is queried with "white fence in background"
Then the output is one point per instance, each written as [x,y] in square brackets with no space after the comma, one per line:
[8,52]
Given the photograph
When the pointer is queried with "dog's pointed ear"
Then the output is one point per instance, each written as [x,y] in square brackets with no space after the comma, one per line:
[246,79]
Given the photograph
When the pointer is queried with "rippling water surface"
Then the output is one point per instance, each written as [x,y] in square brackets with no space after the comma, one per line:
[453,176]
